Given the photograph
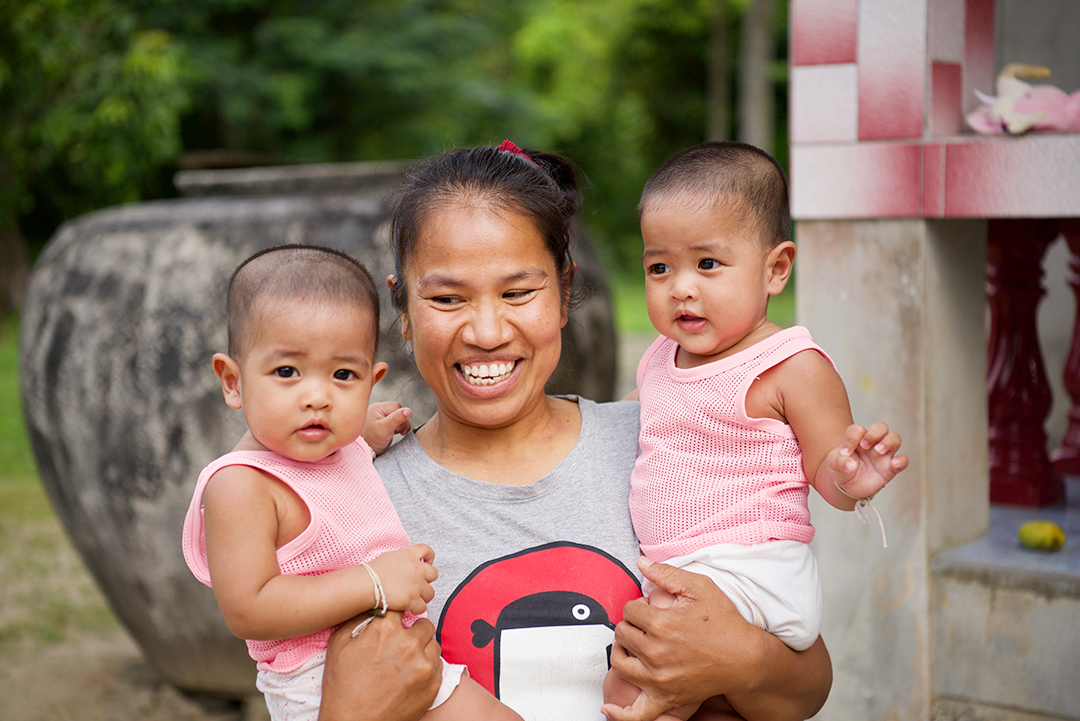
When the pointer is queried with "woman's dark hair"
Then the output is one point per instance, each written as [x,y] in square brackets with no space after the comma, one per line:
[539,186]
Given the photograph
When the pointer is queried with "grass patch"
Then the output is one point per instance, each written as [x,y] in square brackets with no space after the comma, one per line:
[15,456]
[46,594]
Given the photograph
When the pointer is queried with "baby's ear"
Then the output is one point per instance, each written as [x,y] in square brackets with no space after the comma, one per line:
[228,372]
[778,266]
[378,371]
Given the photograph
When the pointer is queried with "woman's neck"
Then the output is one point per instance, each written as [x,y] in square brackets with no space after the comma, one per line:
[518,454]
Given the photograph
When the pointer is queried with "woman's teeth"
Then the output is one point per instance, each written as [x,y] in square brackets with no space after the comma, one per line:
[486,374]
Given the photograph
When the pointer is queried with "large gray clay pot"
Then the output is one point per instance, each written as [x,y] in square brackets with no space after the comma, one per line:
[124,310]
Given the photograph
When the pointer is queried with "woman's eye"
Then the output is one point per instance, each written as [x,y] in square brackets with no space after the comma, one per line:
[517,294]
[708,264]
[344,375]
[286,372]
[444,299]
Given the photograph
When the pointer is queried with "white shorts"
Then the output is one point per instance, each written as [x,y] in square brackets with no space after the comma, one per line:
[774,585]
[295,696]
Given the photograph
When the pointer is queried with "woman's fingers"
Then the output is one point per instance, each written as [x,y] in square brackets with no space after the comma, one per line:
[405,661]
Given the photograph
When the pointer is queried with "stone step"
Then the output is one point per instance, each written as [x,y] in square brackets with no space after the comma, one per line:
[1007,622]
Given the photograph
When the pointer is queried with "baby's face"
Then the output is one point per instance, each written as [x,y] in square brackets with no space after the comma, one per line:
[306,377]
[706,278]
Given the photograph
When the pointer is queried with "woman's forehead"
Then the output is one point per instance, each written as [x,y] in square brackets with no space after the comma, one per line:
[477,235]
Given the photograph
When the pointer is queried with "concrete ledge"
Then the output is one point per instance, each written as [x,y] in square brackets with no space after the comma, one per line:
[946,709]
[999,556]
[1007,622]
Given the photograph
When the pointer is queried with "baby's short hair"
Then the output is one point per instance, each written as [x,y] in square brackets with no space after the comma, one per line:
[287,272]
[720,174]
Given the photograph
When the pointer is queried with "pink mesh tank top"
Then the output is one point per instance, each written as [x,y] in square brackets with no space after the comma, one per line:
[706,473]
[352,522]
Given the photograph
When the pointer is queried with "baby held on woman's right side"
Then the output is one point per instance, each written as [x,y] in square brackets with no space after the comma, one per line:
[738,416]
[293,529]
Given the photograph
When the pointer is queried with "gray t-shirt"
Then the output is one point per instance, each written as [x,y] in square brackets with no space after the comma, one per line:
[532,579]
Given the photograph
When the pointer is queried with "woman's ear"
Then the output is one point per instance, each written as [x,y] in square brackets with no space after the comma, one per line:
[391,284]
[778,266]
[228,372]
[567,291]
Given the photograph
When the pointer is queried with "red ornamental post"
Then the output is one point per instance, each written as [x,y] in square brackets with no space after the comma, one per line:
[1066,458]
[1019,395]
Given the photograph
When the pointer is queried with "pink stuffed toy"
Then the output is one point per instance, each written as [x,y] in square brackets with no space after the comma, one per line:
[1020,107]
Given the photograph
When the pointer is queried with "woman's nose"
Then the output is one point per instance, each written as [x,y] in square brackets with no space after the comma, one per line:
[487,328]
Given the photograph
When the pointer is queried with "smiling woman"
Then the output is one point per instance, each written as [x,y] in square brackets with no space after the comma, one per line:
[489,332]
[523,495]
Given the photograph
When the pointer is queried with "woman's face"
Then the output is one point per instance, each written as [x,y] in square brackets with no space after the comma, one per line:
[484,314]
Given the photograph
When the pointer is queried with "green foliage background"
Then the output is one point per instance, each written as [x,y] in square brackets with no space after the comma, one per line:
[101,99]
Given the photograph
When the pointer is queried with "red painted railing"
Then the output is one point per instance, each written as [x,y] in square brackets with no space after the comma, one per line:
[1021,470]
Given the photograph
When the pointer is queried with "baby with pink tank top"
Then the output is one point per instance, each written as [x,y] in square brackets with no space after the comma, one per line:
[293,529]
[739,417]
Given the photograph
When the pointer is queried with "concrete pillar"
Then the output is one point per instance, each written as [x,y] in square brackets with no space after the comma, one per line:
[900,306]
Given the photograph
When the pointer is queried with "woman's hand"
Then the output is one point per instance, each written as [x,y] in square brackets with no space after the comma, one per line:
[386,673]
[701,647]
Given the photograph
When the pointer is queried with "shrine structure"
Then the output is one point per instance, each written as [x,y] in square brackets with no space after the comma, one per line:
[907,223]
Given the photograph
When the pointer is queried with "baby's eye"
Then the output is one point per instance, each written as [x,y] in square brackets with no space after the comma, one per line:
[286,372]
[657,269]
[708,264]
[344,374]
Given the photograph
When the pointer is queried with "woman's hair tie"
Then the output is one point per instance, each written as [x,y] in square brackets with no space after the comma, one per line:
[509,147]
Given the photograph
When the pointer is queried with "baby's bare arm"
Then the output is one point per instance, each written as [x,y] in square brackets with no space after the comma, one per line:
[841,459]
[242,512]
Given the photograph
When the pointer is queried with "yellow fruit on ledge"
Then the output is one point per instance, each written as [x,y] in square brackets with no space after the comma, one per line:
[1042,536]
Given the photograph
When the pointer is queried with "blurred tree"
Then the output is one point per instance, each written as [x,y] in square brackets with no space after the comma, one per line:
[623,84]
[340,80]
[618,85]
[759,36]
[90,90]
[90,108]
[718,123]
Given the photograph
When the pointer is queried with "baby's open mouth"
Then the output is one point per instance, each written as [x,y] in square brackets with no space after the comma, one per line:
[486,374]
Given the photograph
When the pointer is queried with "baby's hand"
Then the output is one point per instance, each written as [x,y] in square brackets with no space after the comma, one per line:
[406,575]
[866,460]
[384,419]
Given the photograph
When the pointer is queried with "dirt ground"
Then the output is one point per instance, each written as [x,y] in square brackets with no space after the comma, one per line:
[98,677]
[63,655]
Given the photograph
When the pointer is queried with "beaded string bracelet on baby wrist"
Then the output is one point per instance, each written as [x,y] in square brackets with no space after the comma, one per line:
[860,504]
[379,608]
